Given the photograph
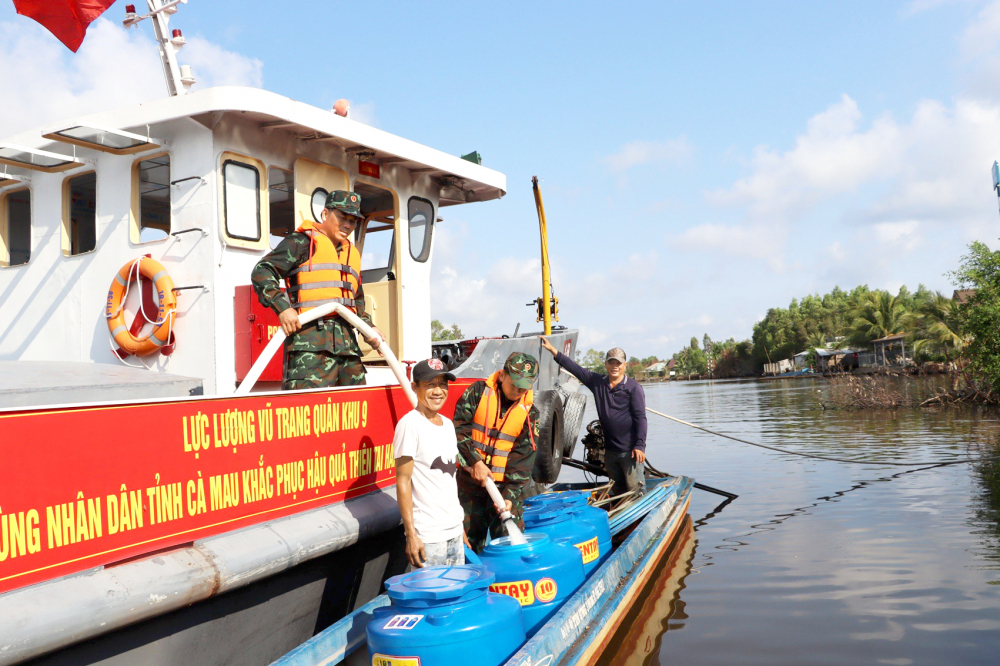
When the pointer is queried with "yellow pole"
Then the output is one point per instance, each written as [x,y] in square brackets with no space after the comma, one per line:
[546,285]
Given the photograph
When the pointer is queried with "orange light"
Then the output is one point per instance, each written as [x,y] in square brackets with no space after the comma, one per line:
[369,169]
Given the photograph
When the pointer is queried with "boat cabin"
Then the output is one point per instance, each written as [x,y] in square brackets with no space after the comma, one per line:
[206,184]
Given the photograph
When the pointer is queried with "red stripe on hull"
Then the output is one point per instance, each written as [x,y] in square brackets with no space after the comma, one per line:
[87,486]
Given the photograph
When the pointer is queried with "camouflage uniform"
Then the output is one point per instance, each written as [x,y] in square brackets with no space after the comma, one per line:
[480,513]
[323,353]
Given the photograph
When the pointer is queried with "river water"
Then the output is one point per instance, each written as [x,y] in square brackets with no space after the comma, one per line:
[819,562]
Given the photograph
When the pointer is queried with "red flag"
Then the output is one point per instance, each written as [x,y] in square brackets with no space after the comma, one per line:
[66,19]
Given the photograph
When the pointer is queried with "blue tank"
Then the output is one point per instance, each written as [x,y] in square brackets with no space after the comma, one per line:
[540,574]
[580,501]
[441,616]
[562,522]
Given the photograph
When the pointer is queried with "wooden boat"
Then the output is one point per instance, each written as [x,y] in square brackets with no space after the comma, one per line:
[643,530]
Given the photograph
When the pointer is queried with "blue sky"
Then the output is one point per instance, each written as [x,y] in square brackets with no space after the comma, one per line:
[701,162]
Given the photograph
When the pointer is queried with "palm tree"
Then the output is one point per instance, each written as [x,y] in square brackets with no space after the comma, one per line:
[937,327]
[878,315]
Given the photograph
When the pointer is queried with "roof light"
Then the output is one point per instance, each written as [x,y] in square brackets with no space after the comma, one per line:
[178,38]
[130,9]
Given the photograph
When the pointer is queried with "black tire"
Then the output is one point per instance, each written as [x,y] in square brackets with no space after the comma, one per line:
[550,441]
[573,408]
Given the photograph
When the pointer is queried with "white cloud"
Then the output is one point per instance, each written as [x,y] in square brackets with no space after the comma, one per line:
[833,156]
[215,66]
[636,153]
[364,112]
[901,235]
[727,238]
[113,68]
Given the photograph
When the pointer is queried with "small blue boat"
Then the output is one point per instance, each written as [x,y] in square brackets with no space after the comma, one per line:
[643,530]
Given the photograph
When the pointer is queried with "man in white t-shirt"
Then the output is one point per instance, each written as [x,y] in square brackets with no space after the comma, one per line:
[426,457]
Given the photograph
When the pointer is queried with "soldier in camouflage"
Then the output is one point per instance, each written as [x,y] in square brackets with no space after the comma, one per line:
[325,352]
[517,377]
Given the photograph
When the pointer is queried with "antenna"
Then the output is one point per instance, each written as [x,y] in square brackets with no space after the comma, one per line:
[179,79]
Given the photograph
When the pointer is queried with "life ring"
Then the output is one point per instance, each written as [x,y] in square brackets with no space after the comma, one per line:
[166,301]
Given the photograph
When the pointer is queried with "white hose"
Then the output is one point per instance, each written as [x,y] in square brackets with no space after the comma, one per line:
[313,315]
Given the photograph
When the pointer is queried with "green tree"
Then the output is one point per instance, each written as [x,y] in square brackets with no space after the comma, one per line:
[440,332]
[593,360]
[980,315]
[937,327]
[879,314]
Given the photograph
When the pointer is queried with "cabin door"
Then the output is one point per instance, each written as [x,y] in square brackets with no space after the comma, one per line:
[376,237]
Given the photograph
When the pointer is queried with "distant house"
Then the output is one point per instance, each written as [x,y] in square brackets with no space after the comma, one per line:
[891,350]
[656,368]
[801,360]
[963,295]
[782,366]
[671,367]
[833,360]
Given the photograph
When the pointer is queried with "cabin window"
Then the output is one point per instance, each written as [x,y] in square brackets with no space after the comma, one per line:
[80,214]
[317,203]
[377,235]
[421,216]
[242,200]
[151,199]
[379,247]
[281,198]
[15,228]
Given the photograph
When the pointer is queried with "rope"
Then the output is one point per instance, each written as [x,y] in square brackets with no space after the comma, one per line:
[931,463]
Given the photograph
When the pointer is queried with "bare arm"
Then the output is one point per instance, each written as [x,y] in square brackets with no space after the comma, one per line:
[404,497]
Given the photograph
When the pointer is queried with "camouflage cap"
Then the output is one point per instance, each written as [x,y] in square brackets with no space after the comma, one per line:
[615,354]
[345,202]
[522,368]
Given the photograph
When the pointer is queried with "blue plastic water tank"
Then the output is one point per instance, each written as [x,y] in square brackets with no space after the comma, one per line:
[441,616]
[563,524]
[580,500]
[540,574]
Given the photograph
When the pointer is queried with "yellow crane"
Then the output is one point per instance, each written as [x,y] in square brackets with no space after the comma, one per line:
[548,308]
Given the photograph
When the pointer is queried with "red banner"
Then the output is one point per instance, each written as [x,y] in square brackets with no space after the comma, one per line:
[89,486]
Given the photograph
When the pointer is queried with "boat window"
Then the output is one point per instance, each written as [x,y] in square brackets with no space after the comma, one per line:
[281,200]
[80,214]
[37,160]
[318,203]
[379,247]
[115,141]
[421,216]
[15,228]
[151,214]
[378,234]
[241,196]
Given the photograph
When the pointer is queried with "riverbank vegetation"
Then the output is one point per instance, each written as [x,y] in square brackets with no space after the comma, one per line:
[960,333]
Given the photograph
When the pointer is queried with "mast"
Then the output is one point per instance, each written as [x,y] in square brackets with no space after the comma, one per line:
[178,78]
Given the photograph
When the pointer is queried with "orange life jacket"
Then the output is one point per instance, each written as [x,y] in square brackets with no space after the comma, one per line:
[329,276]
[493,433]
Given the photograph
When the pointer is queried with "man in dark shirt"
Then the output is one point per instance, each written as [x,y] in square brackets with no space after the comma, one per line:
[621,407]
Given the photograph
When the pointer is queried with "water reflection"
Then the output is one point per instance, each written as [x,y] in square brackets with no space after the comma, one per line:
[657,610]
[880,565]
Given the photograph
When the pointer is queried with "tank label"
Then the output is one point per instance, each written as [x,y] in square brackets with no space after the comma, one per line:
[590,550]
[522,590]
[406,622]
[546,589]
[386,660]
